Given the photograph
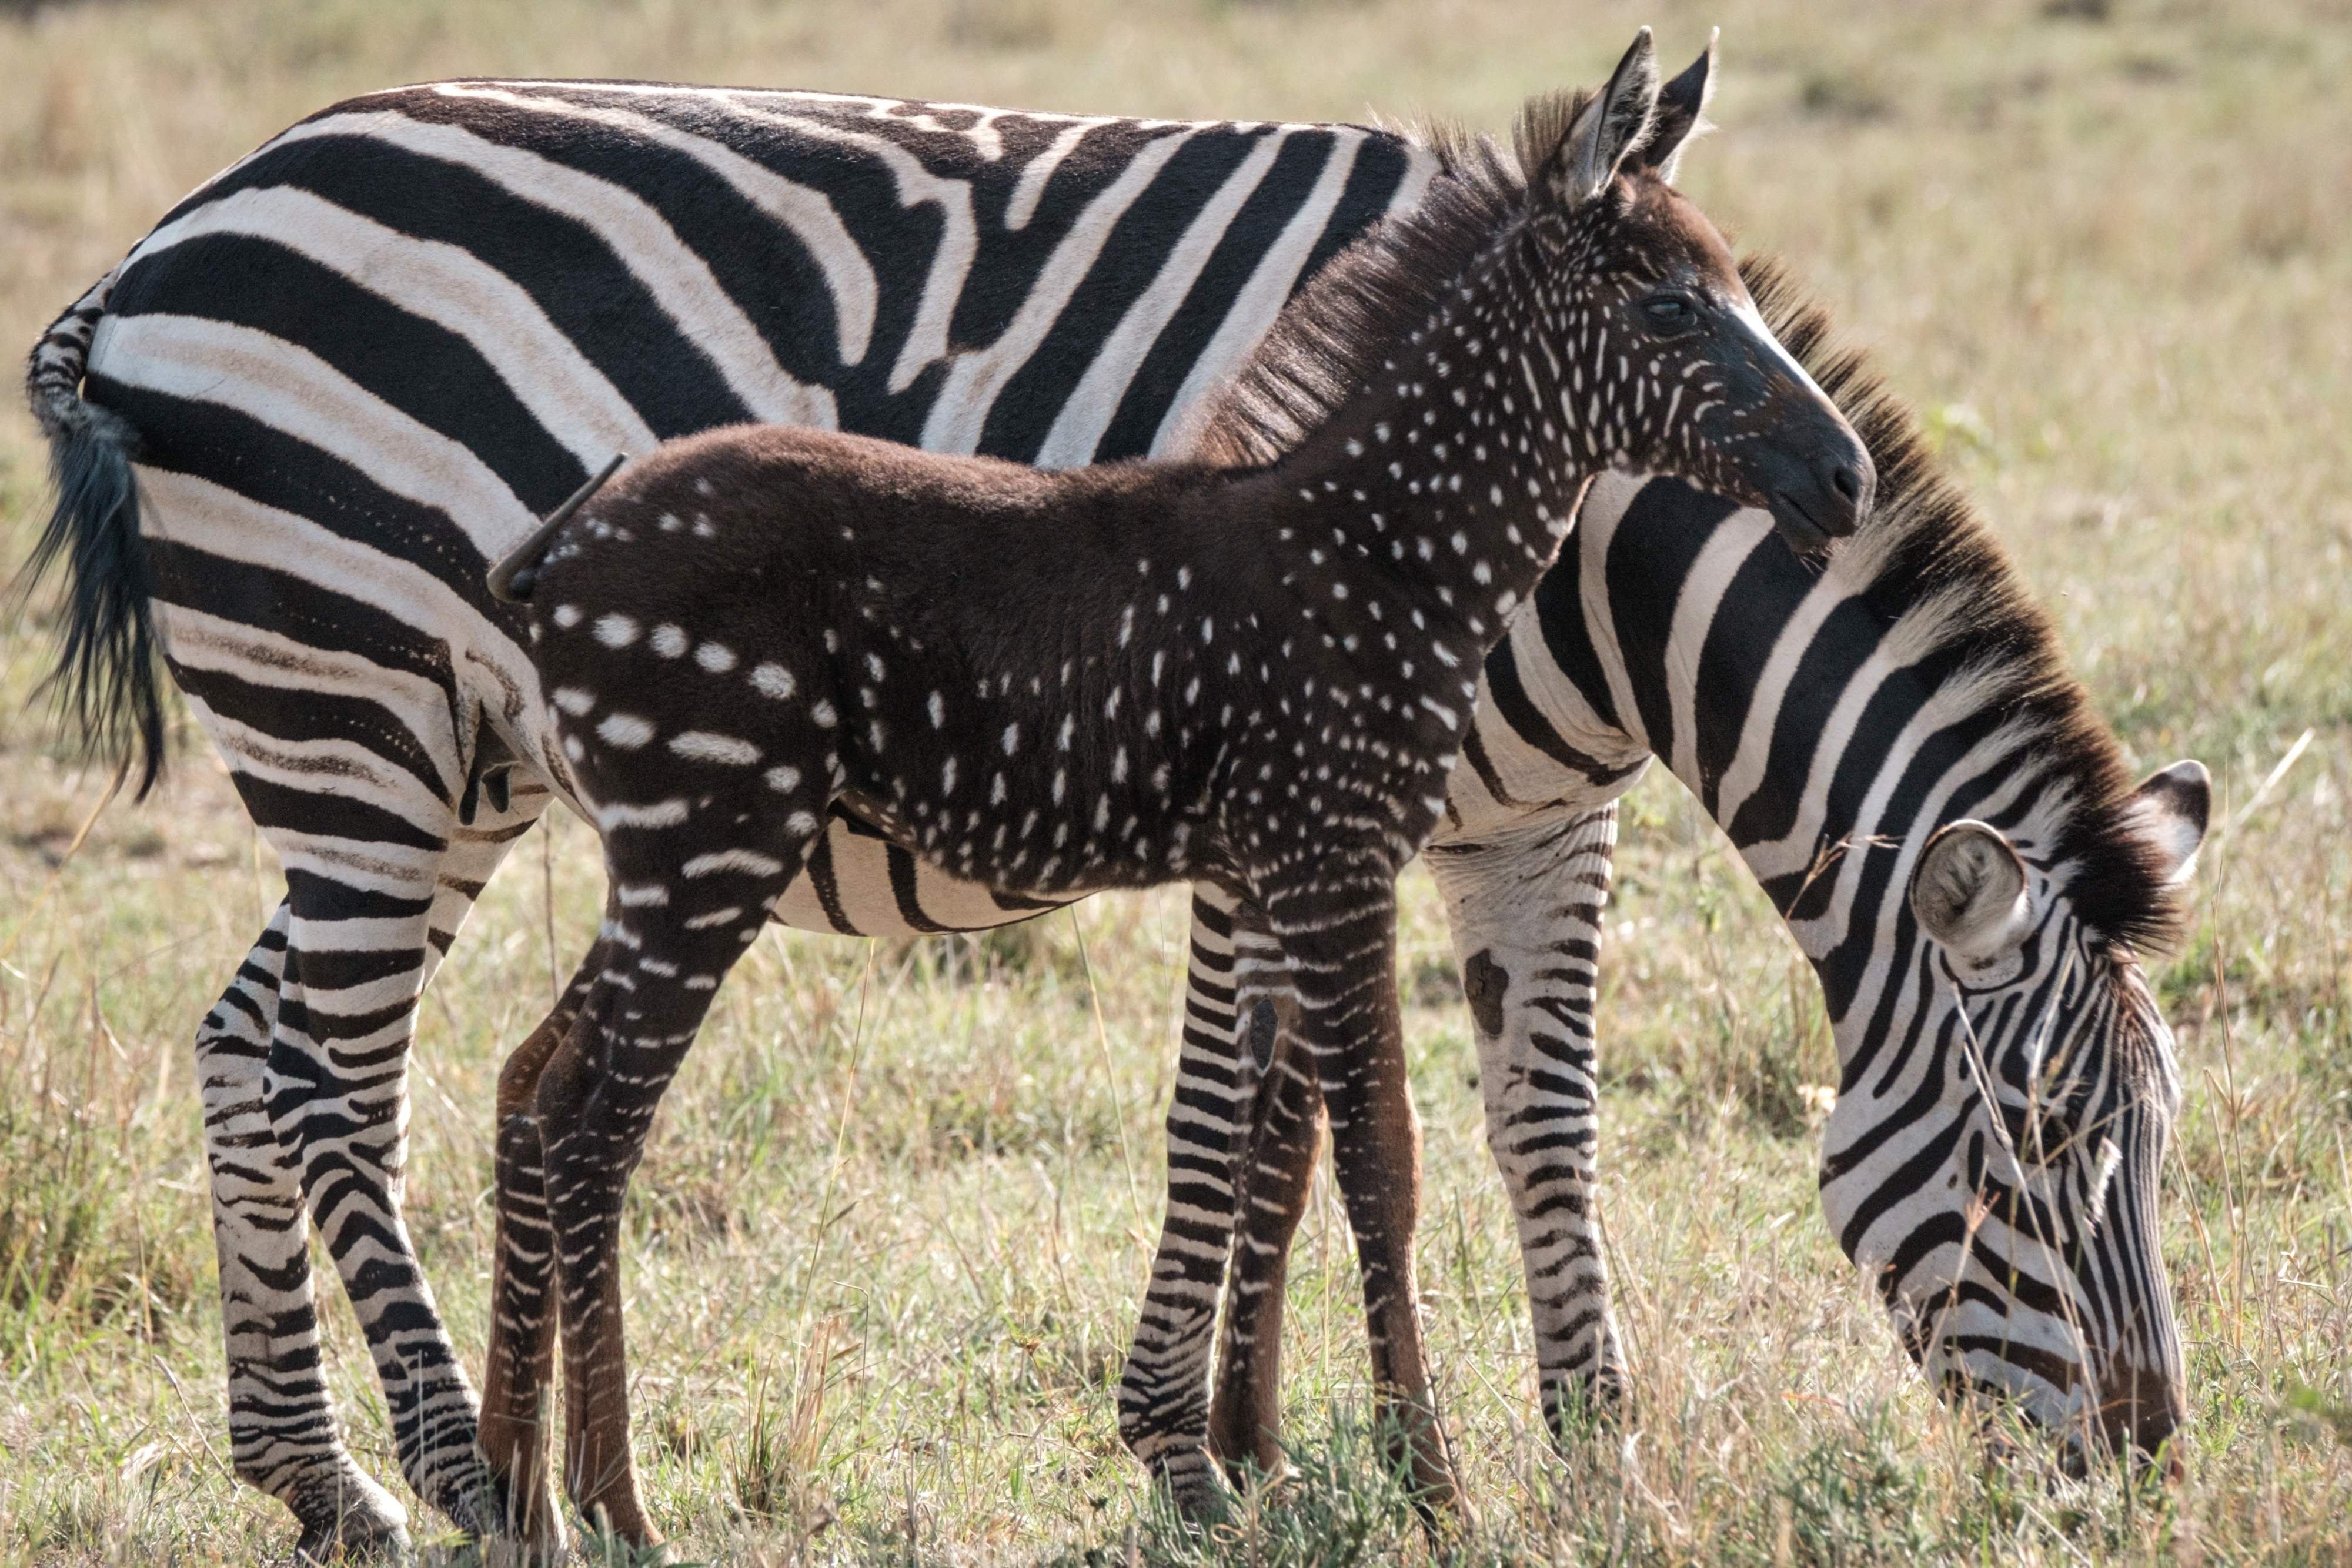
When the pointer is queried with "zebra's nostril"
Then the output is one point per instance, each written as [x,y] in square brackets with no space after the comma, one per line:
[1848,483]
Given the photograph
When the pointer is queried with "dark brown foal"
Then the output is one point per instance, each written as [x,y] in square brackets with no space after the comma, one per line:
[1255,675]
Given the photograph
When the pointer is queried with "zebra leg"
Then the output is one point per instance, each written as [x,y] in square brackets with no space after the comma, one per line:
[1336,926]
[359,948]
[1524,905]
[1163,1408]
[1278,1171]
[283,1436]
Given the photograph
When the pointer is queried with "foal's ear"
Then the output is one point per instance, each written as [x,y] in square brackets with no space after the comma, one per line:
[1610,127]
[1681,115]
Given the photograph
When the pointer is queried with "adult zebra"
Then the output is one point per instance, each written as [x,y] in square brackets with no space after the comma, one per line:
[362,357]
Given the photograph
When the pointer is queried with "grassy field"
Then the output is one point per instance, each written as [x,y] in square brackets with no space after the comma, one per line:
[886,1246]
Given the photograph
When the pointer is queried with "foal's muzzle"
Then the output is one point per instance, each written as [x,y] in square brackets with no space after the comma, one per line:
[1828,497]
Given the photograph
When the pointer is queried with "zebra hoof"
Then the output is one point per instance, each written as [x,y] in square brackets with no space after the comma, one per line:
[1577,1412]
[1189,1482]
[349,1539]
[347,1518]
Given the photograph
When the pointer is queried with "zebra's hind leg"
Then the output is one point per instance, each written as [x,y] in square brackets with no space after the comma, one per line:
[1524,905]
[283,1435]
[358,950]
[1163,1405]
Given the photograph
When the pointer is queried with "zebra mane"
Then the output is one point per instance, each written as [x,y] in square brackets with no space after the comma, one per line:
[1331,338]
[1925,541]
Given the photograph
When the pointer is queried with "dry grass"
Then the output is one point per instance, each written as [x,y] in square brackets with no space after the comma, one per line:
[885,1249]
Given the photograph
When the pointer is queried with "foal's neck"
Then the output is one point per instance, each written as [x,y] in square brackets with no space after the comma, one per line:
[1450,474]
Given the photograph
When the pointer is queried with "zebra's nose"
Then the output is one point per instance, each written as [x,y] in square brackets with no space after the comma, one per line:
[2140,1408]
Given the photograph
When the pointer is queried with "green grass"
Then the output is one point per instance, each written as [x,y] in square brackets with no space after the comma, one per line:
[885,1250]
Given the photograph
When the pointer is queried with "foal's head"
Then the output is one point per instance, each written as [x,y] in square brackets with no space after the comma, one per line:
[1655,355]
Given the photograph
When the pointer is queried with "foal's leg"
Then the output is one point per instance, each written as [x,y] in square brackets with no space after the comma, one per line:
[1338,930]
[518,1383]
[678,913]
[1162,1393]
[1525,906]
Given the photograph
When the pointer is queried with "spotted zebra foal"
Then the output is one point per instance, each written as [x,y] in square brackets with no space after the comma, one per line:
[1114,677]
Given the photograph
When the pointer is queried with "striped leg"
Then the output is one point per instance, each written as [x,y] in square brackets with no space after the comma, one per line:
[1338,929]
[1525,906]
[283,1436]
[1164,1408]
[336,1087]
[1277,1172]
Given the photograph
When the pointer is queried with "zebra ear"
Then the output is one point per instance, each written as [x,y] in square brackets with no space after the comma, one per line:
[1682,116]
[2170,810]
[1970,891]
[1610,126]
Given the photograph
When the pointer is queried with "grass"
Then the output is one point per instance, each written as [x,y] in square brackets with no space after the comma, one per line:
[886,1246]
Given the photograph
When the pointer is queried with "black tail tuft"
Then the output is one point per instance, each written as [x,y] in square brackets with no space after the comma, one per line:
[105,680]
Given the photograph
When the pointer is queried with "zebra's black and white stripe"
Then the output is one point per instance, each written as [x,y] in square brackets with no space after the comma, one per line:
[362,359]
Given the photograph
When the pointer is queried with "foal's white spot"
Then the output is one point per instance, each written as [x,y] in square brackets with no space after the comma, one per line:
[660,814]
[566,616]
[702,746]
[668,640]
[573,701]
[822,715]
[625,730]
[615,630]
[773,680]
[751,863]
[938,705]
[716,657]
[783,781]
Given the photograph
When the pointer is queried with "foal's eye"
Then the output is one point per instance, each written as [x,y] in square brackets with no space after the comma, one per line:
[1669,312]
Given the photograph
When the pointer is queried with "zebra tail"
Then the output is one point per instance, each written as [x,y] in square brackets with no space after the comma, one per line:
[105,682]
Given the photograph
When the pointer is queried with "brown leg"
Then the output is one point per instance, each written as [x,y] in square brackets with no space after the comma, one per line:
[517,1419]
[1273,1176]
[674,928]
[1340,934]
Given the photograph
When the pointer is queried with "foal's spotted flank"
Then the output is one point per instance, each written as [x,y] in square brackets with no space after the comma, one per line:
[1255,676]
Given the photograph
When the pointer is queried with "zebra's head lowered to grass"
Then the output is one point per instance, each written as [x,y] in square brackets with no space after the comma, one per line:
[1894,743]
[2057,1094]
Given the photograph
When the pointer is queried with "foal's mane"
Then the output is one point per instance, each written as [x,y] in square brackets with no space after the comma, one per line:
[1924,540]
[1331,338]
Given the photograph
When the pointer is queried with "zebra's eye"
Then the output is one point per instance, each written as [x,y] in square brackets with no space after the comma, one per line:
[1670,313]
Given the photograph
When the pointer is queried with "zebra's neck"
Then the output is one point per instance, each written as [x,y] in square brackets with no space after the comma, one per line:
[1827,719]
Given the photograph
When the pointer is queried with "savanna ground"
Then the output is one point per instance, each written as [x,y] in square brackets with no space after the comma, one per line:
[885,1249]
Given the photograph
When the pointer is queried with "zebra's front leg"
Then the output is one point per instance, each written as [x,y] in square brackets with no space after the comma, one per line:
[1526,905]
[1164,1408]
[284,1438]
[1277,1172]
[1336,926]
